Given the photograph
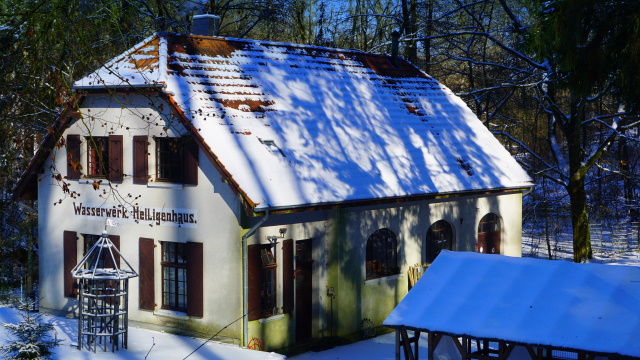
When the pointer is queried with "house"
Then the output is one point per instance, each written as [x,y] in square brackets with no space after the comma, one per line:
[295,184]
[475,306]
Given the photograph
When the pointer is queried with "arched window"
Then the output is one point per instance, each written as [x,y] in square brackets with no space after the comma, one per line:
[489,234]
[439,237]
[382,255]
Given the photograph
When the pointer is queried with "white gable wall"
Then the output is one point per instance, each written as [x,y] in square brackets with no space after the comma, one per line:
[211,202]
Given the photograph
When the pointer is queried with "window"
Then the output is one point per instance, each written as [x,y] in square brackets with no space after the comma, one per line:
[268,281]
[181,276]
[169,159]
[98,156]
[382,256]
[89,241]
[104,157]
[489,234]
[177,160]
[439,237]
[174,276]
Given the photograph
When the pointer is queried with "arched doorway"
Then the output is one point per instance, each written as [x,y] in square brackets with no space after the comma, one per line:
[489,234]
[439,237]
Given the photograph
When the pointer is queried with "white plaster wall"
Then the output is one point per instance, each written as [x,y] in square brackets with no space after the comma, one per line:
[217,209]
[339,249]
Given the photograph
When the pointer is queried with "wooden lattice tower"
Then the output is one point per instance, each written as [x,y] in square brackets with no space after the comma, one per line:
[103,296]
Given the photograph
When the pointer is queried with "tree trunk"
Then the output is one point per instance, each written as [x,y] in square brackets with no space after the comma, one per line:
[575,187]
[579,220]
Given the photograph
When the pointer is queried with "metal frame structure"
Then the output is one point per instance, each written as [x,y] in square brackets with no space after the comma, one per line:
[103,297]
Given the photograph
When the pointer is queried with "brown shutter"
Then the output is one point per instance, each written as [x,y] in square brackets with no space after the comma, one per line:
[140,159]
[73,157]
[115,157]
[287,276]
[194,279]
[70,249]
[147,264]
[254,265]
[190,162]
[115,239]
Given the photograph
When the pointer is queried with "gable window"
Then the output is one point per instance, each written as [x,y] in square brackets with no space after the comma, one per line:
[104,157]
[98,156]
[174,276]
[169,159]
[176,160]
[382,255]
[439,237]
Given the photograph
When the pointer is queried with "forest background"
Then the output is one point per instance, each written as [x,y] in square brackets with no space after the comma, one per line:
[555,81]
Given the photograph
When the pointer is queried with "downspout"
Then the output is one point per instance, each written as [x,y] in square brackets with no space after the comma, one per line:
[245,280]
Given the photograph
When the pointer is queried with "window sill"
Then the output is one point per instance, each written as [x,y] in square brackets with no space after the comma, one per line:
[172,314]
[164,185]
[271,318]
[381,279]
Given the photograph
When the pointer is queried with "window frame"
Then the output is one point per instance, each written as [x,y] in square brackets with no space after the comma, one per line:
[268,280]
[97,161]
[381,258]
[434,230]
[174,157]
[171,296]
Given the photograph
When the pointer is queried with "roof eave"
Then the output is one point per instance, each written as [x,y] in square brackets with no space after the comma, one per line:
[26,187]
[385,201]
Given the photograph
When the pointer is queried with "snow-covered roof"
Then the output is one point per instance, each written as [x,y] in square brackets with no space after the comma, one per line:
[297,125]
[591,307]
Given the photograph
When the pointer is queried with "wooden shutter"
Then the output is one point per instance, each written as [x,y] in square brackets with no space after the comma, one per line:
[70,254]
[115,239]
[73,157]
[146,272]
[194,279]
[140,159]
[287,276]
[190,162]
[115,157]
[254,270]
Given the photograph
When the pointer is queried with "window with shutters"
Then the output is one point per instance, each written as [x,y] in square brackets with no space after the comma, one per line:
[97,156]
[382,255]
[174,276]
[176,160]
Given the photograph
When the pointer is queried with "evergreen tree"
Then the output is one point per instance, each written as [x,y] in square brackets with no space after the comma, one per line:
[32,337]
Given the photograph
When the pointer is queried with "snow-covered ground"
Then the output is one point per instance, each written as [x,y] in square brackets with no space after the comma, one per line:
[141,343]
[168,346]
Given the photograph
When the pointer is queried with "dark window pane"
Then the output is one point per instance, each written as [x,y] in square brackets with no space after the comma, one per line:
[381,254]
[174,276]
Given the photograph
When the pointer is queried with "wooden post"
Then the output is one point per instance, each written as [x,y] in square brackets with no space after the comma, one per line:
[397,344]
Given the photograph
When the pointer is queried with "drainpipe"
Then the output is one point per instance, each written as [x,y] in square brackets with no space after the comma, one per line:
[245,279]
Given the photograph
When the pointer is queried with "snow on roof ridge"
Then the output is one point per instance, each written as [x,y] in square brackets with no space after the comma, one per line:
[118,58]
[278,43]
